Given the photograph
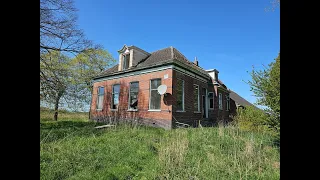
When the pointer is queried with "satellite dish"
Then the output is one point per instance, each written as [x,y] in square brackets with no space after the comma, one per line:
[162,89]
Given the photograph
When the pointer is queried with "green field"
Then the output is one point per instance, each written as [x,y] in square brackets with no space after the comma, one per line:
[72,148]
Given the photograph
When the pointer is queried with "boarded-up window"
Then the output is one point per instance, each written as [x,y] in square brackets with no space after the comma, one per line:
[115,96]
[100,98]
[155,97]
[133,95]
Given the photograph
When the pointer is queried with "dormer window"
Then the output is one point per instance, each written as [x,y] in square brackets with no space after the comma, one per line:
[126,60]
[130,56]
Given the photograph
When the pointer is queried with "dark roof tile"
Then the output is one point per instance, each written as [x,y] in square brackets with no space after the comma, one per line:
[162,56]
[239,100]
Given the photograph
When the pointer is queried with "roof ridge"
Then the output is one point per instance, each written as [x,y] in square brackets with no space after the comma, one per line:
[188,59]
[171,52]
[160,49]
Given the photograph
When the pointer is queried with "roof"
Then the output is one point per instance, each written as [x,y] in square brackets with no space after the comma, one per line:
[239,100]
[160,57]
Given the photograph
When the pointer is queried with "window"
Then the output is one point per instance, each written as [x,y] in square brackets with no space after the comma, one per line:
[100,98]
[133,95]
[210,96]
[196,104]
[220,101]
[126,60]
[155,97]
[227,102]
[180,95]
[115,96]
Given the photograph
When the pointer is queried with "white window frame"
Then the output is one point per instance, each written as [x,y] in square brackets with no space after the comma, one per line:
[130,109]
[212,100]
[150,95]
[112,97]
[97,108]
[198,111]
[179,110]
[220,101]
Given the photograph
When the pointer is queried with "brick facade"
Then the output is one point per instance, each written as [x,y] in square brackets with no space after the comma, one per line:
[170,66]
[161,118]
[168,114]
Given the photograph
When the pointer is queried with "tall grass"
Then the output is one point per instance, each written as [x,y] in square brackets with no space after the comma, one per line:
[76,150]
[47,115]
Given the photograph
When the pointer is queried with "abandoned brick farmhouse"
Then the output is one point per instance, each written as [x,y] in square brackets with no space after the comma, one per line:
[128,91]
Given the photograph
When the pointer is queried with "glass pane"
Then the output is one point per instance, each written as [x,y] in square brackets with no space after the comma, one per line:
[115,99]
[133,102]
[155,83]
[155,100]
[134,87]
[211,103]
[101,90]
[210,95]
[100,102]
[116,88]
[179,94]
[203,91]
[195,97]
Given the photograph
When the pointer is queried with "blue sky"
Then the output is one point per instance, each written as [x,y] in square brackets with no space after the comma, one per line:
[229,35]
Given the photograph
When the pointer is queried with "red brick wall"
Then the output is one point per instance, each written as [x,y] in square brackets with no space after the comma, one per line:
[189,116]
[221,115]
[162,118]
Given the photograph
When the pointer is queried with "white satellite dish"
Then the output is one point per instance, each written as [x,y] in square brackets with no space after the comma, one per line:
[162,89]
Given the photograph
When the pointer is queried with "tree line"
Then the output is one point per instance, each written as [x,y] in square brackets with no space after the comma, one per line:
[68,60]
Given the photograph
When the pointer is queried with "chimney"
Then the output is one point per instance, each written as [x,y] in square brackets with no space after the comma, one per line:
[214,74]
[196,61]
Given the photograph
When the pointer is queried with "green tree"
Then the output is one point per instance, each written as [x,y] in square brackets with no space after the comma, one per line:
[69,79]
[55,75]
[265,85]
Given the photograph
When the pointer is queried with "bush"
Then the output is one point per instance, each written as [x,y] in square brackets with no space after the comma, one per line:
[251,119]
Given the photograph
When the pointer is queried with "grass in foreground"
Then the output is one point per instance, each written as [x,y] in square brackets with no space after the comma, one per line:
[75,150]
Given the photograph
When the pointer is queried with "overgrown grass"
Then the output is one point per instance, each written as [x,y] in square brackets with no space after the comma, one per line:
[47,115]
[76,150]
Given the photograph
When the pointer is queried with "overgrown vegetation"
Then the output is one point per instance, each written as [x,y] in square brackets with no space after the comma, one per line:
[73,149]
[265,85]
[68,60]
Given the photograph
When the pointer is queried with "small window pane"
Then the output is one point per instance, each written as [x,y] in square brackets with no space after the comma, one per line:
[115,96]
[116,88]
[133,95]
[180,98]
[100,97]
[196,97]
[155,83]
[155,100]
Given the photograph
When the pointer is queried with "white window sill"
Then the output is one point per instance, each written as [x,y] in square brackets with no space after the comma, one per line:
[98,109]
[180,111]
[132,110]
[113,109]
[211,109]
[154,110]
[197,112]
